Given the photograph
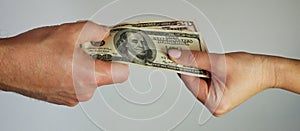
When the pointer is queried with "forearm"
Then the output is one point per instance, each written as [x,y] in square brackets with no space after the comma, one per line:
[4,51]
[14,58]
[287,74]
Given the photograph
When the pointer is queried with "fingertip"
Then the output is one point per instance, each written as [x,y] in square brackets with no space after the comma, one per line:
[120,72]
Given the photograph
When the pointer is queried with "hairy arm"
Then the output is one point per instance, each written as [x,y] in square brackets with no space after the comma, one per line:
[7,65]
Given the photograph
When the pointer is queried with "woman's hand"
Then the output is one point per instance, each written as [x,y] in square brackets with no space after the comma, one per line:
[235,77]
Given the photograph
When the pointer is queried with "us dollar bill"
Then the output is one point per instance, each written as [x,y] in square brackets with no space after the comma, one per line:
[170,25]
[147,46]
[166,25]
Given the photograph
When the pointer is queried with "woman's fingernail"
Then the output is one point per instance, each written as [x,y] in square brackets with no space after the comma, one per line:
[174,53]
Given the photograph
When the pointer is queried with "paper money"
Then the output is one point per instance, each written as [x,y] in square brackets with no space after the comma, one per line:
[147,43]
[166,25]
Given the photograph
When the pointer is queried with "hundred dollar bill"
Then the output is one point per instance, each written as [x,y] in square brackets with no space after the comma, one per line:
[147,47]
[179,25]
[166,24]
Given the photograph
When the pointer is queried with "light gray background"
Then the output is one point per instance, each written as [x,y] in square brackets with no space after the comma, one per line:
[269,26]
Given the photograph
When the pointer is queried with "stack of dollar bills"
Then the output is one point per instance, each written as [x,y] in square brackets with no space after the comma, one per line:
[147,43]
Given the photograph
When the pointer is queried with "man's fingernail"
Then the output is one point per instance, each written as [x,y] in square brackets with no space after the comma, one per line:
[174,53]
[104,31]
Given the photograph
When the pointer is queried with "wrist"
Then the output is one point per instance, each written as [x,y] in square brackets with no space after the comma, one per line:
[277,71]
[268,71]
[287,74]
[2,49]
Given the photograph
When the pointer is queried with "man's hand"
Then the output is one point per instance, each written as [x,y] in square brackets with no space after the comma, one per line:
[235,77]
[47,64]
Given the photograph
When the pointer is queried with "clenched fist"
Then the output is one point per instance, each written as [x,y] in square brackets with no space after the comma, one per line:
[47,64]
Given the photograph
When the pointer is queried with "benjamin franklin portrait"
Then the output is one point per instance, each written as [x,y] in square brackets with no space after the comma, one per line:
[135,46]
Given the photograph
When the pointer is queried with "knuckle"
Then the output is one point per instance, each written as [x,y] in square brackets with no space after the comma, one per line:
[221,110]
[72,104]
[84,22]
[71,31]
